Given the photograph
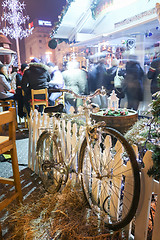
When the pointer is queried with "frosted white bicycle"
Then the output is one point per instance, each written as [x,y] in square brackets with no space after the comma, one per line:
[107,168]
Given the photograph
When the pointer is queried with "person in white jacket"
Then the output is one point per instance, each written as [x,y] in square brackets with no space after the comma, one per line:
[5,86]
[76,80]
[56,82]
[6,91]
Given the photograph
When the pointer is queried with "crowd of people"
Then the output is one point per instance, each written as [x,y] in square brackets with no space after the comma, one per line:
[37,75]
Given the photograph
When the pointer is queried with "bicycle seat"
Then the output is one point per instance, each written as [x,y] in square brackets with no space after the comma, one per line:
[51,109]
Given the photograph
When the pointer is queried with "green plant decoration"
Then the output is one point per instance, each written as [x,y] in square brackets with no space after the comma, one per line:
[146,134]
[154,136]
[52,44]
[93,7]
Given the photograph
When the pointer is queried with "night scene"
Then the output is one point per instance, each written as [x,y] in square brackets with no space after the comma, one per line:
[79,119]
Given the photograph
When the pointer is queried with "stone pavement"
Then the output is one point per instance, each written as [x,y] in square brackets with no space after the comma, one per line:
[22,154]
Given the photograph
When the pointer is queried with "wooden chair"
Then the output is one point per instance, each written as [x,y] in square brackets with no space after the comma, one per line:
[9,103]
[8,145]
[36,101]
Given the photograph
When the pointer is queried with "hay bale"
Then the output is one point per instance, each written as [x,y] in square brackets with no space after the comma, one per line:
[64,215]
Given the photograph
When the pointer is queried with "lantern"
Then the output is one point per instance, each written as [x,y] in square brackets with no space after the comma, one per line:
[113,101]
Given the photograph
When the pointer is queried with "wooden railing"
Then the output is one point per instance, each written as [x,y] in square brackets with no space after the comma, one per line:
[148,185]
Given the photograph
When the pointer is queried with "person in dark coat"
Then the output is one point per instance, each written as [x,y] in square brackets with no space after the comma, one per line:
[92,81]
[19,76]
[101,73]
[111,73]
[153,74]
[35,77]
[97,79]
[133,83]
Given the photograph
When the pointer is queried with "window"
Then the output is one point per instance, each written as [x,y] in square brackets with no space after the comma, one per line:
[30,50]
[40,41]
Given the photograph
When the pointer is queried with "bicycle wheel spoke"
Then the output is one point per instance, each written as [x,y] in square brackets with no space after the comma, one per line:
[117,195]
[49,159]
[122,172]
[110,186]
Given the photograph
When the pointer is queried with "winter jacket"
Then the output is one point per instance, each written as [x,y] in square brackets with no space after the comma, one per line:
[97,77]
[36,77]
[4,87]
[134,80]
[153,73]
[19,82]
[101,75]
[111,73]
[13,80]
[92,79]
[56,79]
[56,82]
[75,80]
[19,78]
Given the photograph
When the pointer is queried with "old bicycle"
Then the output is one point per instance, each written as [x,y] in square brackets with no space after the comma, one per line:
[107,167]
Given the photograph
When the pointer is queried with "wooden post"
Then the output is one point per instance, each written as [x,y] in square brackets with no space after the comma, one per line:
[155,235]
[142,216]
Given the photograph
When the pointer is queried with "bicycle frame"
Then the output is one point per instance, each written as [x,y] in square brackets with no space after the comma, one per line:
[88,127]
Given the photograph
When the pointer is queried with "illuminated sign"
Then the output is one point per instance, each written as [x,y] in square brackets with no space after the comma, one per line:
[137,17]
[44,23]
[102,7]
[30,25]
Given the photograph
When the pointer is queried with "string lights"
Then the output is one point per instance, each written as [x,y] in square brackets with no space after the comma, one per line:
[13,15]
[60,17]
[150,33]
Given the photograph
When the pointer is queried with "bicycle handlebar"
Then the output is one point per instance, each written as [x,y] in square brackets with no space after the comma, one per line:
[84,97]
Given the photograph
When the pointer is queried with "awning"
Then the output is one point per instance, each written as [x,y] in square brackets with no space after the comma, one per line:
[6,51]
[128,31]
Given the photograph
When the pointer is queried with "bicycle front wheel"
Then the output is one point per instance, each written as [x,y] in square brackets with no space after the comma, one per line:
[110,177]
[49,161]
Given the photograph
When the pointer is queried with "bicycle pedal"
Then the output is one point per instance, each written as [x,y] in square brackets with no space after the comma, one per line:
[46,167]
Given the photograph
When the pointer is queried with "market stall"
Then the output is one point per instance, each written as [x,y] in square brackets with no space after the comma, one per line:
[130,26]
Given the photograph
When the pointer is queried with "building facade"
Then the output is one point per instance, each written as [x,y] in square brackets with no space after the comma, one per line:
[36,45]
[65,52]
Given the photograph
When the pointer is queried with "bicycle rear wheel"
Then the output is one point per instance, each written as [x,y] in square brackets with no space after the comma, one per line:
[49,159]
[112,182]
